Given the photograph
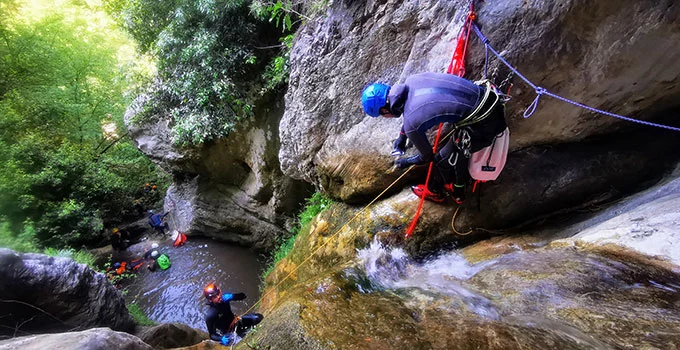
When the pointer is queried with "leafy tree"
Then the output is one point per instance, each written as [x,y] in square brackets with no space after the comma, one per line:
[209,65]
[66,168]
[287,15]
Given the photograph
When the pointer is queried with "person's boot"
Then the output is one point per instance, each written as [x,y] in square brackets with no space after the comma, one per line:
[457,192]
[420,190]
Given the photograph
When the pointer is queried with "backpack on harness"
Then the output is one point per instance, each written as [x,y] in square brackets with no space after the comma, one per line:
[487,163]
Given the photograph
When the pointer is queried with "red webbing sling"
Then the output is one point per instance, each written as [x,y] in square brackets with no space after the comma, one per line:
[457,67]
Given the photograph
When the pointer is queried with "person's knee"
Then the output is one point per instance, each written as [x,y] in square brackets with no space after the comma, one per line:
[252,319]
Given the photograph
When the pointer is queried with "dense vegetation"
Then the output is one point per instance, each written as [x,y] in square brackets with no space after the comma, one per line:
[212,56]
[68,73]
[67,169]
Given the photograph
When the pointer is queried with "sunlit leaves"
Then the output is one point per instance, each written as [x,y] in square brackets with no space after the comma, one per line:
[61,84]
[209,65]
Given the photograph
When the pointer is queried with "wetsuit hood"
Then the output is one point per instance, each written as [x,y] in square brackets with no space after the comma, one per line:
[397,97]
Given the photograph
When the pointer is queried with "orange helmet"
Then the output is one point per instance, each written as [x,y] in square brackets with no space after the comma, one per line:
[115,230]
[211,291]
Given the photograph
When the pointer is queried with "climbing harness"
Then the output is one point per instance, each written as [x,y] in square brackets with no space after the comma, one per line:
[462,140]
[478,114]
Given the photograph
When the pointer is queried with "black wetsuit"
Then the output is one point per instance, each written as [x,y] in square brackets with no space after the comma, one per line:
[427,99]
[120,240]
[220,316]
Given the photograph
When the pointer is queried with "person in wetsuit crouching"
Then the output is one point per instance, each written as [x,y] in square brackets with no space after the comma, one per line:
[220,317]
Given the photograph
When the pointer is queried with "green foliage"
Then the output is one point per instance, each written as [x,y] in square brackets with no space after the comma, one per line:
[23,242]
[287,15]
[66,169]
[277,71]
[81,256]
[315,205]
[209,74]
[139,316]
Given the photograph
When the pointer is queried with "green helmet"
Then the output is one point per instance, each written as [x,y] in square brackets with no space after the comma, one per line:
[163,262]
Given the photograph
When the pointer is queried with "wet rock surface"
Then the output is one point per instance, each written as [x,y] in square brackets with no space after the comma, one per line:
[550,297]
[41,294]
[170,335]
[535,290]
[647,222]
[91,339]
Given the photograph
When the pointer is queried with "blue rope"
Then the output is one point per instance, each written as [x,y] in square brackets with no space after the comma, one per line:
[542,91]
[486,61]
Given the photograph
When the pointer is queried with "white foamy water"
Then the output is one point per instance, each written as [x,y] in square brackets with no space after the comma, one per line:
[391,268]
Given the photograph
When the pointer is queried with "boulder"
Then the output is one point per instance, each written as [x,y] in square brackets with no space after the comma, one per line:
[171,335]
[91,339]
[42,294]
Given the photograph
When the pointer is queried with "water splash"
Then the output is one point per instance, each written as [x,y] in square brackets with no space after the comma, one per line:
[391,268]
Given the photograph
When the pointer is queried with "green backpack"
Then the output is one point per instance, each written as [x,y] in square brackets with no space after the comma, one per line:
[163,262]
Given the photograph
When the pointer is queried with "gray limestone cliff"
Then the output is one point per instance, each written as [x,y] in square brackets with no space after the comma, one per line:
[616,56]
[231,189]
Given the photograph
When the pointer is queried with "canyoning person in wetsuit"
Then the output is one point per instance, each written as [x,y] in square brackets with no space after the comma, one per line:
[120,239]
[220,317]
[157,221]
[160,261]
[427,99]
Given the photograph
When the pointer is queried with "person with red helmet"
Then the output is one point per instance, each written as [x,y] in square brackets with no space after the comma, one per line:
[221,321]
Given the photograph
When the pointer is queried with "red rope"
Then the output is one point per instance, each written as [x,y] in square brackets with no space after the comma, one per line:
[457,67]
[410,229]
[232,326]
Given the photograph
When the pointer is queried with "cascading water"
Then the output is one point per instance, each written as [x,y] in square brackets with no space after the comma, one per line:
[577,298]
[392,269]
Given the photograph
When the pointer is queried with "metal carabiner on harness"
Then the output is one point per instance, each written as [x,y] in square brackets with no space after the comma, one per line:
[463,141]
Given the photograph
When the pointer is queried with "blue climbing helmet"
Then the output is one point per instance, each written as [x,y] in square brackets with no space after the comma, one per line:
[374,98]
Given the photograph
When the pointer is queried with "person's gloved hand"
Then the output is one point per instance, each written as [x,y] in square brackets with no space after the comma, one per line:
[403,163]
[399,145]
[226,339]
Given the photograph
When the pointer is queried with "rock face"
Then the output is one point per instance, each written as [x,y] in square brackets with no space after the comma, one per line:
[231,189]
[91,339]
[616,56]
[646,223]
[171,335]
[41,294]
[515,292]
